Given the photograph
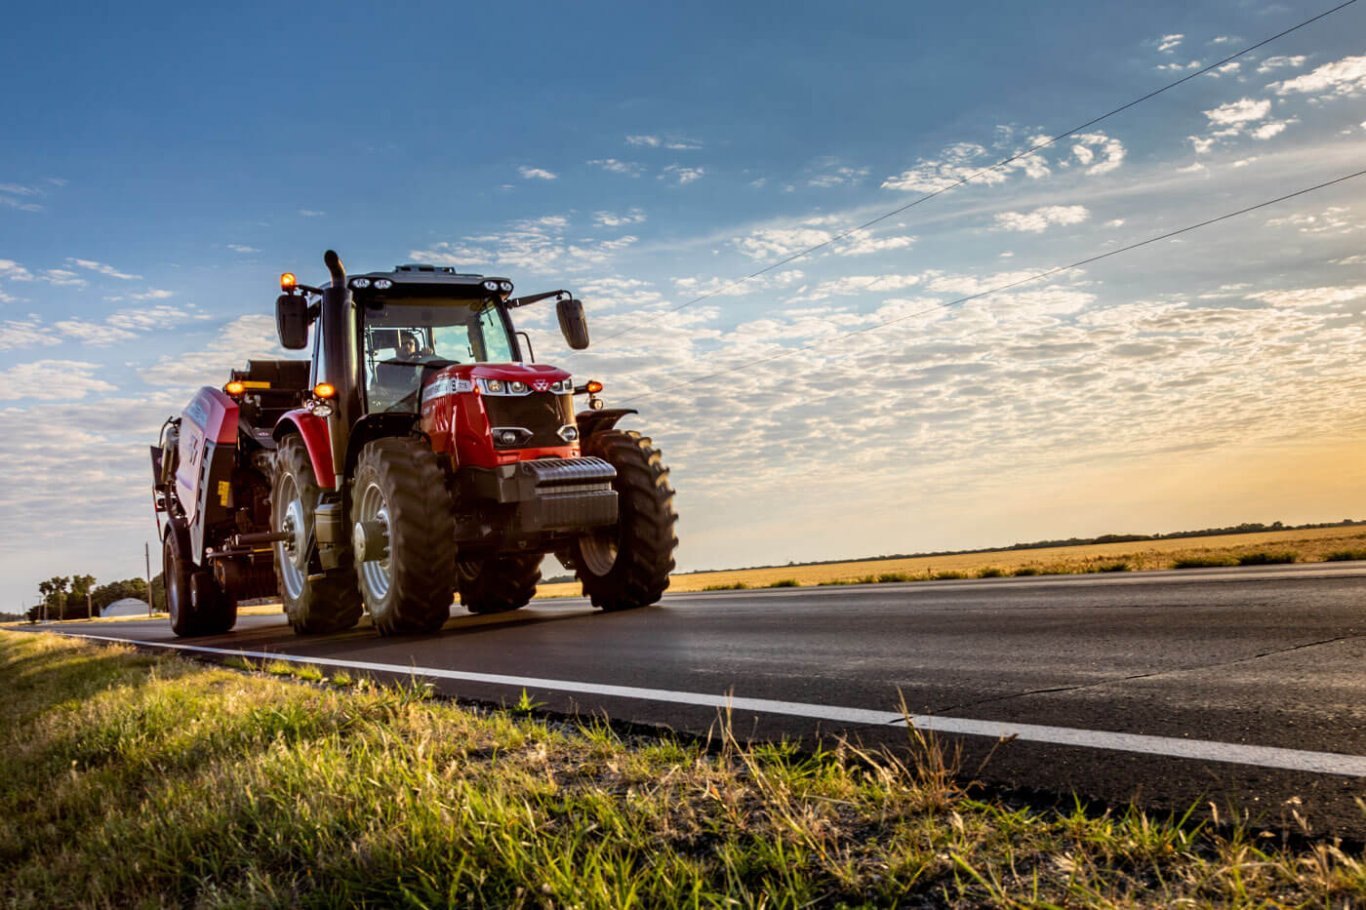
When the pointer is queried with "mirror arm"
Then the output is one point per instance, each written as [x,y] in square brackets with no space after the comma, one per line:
[535,298]
[529,349]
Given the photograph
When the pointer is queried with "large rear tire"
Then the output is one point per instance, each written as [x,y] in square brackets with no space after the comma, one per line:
[500,584]
[403,537]
[196,604]
[627,565]
[317,602]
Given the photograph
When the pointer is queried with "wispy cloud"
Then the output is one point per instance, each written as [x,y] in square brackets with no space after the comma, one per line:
[663,142]
[1041,219]
[617,166]
[1345,77]
[242,248]
[611,219]
[1168,43]
[683,175]
[536,173]
[102,268]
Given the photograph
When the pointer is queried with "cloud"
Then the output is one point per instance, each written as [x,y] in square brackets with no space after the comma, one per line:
[311,213]
[684,175]
[610,219]
[968,161]
[1097,152]
[234,343]
[1242,111]
[51,380]
[536,173]
[1040,219]
[1168,43]
[1341,77]
[242,248]
[62,278]
[23,333]
[1271,64]
[14,271]
[617,166]
[102,269]
[1311,297]
[1335,219]
[838,176]
[149,294]
[540,245]
[864,242]
[656,142]
[20,197]
[777,243]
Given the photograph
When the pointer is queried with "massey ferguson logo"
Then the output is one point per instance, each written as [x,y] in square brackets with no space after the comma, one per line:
[540,385]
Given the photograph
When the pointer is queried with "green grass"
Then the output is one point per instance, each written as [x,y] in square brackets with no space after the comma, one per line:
[1023,571]
[1345,556]
[1265,558]
[1204,562]
[785,583]
[733,586]
[128,780]
[1114,567]
[992,572]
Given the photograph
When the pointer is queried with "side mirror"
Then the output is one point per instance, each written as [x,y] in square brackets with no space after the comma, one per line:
[573,323]
[291,321]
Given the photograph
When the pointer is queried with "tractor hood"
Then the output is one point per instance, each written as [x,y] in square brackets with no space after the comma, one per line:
[537,376]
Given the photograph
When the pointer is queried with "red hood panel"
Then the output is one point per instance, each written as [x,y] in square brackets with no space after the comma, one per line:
[509,372]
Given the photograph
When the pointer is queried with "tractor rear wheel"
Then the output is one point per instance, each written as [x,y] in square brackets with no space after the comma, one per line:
[499,584]
[196,604]
[403,537]
[627,565]
[317,602]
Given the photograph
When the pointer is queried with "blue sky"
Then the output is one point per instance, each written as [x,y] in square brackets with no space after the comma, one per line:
[162,164]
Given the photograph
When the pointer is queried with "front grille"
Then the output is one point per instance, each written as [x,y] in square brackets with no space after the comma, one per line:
[542,413]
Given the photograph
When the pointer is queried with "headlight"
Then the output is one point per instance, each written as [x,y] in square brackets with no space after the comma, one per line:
[490,285]
[505,287]
[518,387]
[360,282]
[493,385]
[562,386]
[383,284]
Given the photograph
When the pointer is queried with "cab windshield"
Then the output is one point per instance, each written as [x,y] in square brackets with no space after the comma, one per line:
[404,338]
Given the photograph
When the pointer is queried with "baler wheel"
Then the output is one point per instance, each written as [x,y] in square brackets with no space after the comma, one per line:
[500,584]
[216,612]
[404,536]
[627,565]
[317,603]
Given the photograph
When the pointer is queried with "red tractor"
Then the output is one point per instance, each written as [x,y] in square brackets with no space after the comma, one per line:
[420,453]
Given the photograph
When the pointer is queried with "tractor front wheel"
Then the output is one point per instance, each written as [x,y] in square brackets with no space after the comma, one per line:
[499,584]
[627,565]
[317,602]
[403,537]
[196,604]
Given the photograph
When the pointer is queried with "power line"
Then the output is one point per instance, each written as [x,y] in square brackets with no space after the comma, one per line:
[1004,287]
[836,238]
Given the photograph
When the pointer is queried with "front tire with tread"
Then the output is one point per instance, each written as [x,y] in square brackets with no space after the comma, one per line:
[316,602]
[640,546]
[414,587]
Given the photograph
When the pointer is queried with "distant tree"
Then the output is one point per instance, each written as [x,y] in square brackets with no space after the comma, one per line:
[106,594]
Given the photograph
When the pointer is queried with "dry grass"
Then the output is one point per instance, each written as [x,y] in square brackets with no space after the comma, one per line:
[132,780]
[1313,545]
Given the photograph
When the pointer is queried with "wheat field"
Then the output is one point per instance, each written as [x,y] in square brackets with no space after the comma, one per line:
[1311,545]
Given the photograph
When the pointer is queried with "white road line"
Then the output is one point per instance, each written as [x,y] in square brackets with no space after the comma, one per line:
[1199,749]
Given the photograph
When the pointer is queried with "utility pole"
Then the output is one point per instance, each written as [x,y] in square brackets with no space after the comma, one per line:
[88,614]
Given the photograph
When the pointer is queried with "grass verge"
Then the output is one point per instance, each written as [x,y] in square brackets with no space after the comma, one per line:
[128,779]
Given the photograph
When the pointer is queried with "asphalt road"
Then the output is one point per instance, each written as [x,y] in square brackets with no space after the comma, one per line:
[1241,687]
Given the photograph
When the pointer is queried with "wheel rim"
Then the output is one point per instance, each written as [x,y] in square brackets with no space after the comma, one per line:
[599,552]
[291,554]
[374,573]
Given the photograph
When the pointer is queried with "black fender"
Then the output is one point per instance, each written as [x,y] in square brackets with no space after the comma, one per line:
[591,422]
[376,426]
